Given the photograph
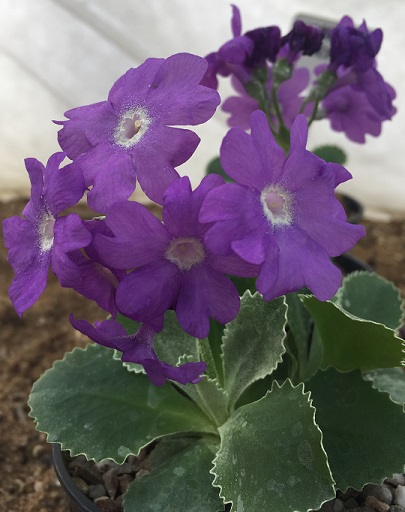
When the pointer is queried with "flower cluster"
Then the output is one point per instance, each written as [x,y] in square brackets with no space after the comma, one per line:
[267,73]
[278,221]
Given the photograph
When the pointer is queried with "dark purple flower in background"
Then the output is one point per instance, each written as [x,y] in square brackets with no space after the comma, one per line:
[266,45]
[173,269]
[42,239]
[349,111]
[131,136]
[282,213]
[289,97]
[138,348]
[354,47]
[243,53]
[359,103]
[303,39]
[231,55]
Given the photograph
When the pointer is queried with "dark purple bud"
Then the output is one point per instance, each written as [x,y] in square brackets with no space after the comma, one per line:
[354,47]
[266,45]
[305,39]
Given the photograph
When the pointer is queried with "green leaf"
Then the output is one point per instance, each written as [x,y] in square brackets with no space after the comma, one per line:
[90,404]
[253,343]
[331,153]
[271,455]
[300,327]
[215,342]
[210,397]
[389,380]
[170,344]
[182,483]
[350,342]
[363,430]
[244,283]
[215,167]
[372,297]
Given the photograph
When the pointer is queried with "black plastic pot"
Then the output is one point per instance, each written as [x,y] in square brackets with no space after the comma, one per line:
[353,208]
[348,263]
[78,502]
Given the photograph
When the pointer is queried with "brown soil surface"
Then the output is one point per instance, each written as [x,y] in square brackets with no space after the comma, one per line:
[29,346]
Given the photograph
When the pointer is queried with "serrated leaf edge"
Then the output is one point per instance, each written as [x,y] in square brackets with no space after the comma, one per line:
[310,402]
[71,450]
[280,360]
[355,274]
[363,320]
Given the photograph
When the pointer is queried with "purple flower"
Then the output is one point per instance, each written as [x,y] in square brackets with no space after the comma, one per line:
[97,281]
[131,135]
[172,266]
[138,348]
[302,40]
[243,53]
[359,103]
[230,58]
[282,213]
[266,45]
[352,47]
[42,239]
[289,97]
[349,111]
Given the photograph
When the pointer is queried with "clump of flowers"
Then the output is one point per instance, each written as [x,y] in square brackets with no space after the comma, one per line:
[232,302]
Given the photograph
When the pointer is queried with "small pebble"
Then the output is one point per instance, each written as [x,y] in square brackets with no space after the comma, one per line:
[123,482]
[97,491]
[81,484]
[375,504]
[338,505]
[396,508]
[396,479]
[381,492]
[38,450]
[351,503]
[38,487]
[110,479]
[399,498]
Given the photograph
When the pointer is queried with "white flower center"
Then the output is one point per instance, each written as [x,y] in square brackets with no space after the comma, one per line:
[132,125]
[185,252]
[276,204]
[46,233]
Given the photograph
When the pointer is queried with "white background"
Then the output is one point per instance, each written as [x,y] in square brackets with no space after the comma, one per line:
[58,54]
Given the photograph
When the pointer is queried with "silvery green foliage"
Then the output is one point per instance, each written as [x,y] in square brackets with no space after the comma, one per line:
[272,426]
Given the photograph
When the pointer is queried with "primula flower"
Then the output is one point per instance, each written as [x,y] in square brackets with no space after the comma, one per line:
[42,239]
[282,213]
[302,40]
[358,103]
[173,267]
[243,53]
[350,112]
[354,47]
[138,348]
[97,281]
[131,135]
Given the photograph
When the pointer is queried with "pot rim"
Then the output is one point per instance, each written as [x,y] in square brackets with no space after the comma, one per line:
[75,495]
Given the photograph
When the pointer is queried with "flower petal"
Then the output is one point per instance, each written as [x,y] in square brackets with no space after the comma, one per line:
[148,292]
[29,283]
[72,137]
[178,78]
[302,262]
[205,293]
[139,237]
